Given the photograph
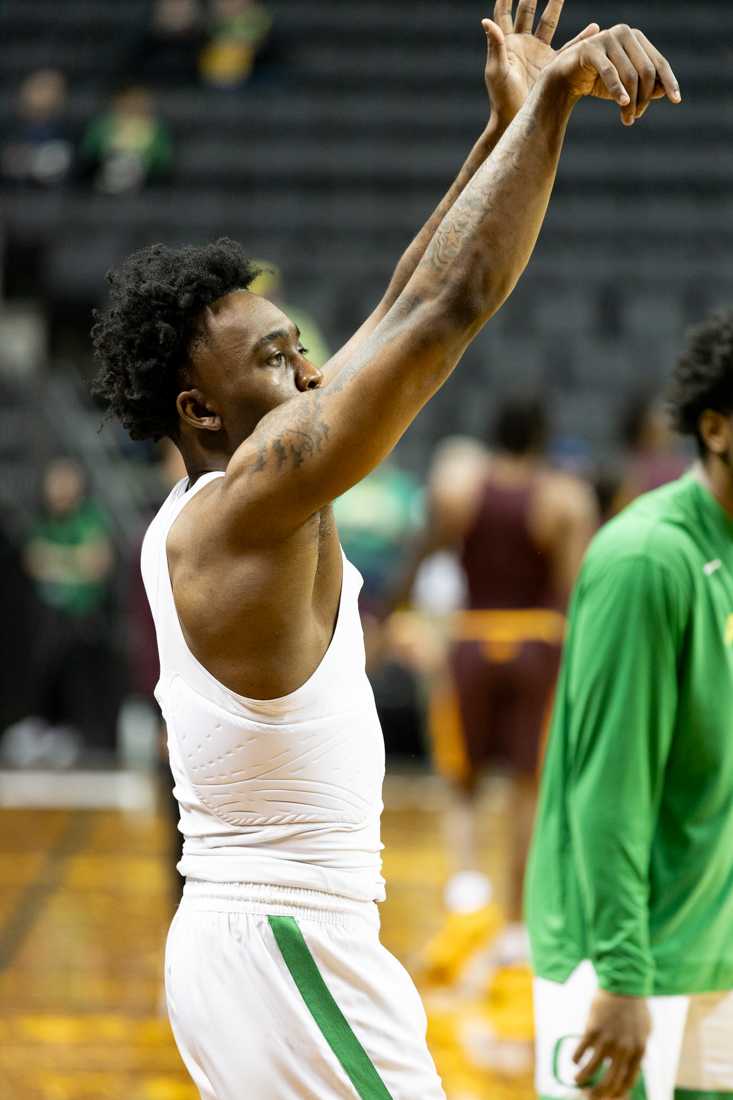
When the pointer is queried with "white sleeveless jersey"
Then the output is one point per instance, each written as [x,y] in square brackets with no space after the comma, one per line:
[284,792]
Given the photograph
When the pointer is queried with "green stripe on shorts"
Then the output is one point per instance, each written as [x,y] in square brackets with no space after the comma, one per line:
[328,1016]
[701,1094]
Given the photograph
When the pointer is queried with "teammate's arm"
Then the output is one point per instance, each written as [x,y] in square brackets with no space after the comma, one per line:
[313,448]
[628,623]
[512,67]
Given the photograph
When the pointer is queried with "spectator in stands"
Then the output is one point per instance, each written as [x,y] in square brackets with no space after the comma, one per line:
[37,149]
[653,453]
[239,30]
[127,146]
[69,559]
[169,50]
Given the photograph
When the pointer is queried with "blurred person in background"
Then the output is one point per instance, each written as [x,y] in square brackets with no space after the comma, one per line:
[653,455]
[630,878]
[70,560]
[375,519]
[37,149]
[238,31]
[127,146]
[519,529]
[169,49]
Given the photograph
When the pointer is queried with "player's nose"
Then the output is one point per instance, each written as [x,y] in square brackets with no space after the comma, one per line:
[308,376]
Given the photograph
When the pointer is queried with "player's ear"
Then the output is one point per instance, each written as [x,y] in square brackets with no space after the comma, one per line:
[716,430]
[194,409]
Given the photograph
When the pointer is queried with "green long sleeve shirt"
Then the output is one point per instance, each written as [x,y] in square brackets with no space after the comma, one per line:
[632,857]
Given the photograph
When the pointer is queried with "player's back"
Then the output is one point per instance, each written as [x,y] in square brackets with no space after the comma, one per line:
[505,564]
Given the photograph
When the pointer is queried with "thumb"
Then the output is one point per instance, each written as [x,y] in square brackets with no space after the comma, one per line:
[496,43]
[589,32]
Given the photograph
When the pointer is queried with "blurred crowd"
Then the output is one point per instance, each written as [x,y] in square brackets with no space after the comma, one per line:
[126,144]
[84,645]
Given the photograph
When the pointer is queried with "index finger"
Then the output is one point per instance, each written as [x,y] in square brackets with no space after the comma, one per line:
[664,70]
[503,15]
[587,1076]
[619,1077]
[549,21]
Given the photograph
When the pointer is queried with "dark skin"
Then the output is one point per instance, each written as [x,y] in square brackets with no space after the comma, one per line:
[255,559]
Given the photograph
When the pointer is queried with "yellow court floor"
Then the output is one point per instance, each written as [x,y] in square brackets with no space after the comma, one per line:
[85,902]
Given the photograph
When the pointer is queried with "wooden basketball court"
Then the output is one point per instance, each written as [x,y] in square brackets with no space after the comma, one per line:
[86,896]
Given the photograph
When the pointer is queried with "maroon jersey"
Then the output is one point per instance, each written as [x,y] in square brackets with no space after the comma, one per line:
[505,567]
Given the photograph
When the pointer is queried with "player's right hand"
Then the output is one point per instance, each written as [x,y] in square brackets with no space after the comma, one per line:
[620,64]
[613,1046]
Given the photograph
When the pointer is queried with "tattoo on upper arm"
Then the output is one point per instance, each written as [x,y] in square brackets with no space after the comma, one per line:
[292,444]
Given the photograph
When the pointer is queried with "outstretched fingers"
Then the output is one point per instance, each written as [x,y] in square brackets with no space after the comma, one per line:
[503,15]
[549,21]
[524,22]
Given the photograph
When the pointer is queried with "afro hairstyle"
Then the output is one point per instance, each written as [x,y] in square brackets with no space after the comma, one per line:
[143,338]
[703,378]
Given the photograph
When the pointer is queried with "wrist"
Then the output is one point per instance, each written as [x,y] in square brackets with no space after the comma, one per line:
[499,121]
[555,90]
[494,130]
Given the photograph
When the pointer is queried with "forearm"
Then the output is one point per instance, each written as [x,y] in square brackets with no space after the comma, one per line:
[484,242]
[612,858]
[621,656]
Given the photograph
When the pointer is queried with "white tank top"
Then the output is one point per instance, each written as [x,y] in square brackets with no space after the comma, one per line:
[284,792]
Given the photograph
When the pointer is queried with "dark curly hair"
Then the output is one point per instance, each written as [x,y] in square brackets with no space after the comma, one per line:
[703,378]
[144,337]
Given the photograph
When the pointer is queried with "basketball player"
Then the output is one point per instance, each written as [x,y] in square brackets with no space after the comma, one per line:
[278,987]
[520,529]
[630,882]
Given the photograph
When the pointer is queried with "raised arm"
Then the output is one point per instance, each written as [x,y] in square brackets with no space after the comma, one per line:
[514,61]
[311,449]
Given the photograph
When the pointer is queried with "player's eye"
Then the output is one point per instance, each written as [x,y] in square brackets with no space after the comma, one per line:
[302,350]
[278,359]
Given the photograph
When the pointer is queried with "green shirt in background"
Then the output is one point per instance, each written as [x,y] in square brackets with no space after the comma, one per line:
[632,858]
[75,594]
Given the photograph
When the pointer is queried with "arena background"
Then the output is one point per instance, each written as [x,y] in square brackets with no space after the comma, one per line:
[320,135]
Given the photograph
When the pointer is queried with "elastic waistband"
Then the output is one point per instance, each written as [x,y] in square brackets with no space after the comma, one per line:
[267,900]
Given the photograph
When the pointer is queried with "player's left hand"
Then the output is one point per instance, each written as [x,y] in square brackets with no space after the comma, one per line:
[613,1046]
[517,53]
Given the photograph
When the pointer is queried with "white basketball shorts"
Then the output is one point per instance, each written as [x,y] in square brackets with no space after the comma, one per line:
[689,1055]
[274,996]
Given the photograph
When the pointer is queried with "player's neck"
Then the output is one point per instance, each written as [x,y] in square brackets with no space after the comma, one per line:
[717,477]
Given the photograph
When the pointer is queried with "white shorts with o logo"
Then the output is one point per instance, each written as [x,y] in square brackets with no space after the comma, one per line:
[690,1049]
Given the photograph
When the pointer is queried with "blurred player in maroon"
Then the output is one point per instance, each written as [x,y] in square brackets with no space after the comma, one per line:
[519,529]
